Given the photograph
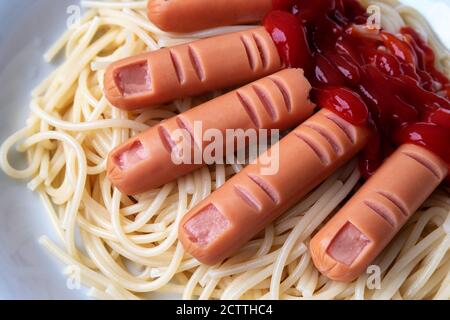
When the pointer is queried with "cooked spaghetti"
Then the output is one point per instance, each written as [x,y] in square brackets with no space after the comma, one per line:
[127,247]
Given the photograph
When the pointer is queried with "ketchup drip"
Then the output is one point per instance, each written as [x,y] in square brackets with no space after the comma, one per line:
[366,76]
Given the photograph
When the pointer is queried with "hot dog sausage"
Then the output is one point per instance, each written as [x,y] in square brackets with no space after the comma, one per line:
[279,101]
[192,15]
[249,201]
[356,235]
[191,69]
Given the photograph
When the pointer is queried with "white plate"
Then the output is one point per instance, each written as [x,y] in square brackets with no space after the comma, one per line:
[26,271]
[28,28]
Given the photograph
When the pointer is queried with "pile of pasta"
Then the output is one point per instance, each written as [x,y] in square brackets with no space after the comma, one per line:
[127,247]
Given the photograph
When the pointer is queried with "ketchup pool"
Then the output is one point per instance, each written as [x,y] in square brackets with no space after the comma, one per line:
[367,76]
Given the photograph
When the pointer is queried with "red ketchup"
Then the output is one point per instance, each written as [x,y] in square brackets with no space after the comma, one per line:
[285,5]
[366,76]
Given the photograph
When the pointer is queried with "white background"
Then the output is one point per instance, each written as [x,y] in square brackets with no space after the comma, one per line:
[28,28]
